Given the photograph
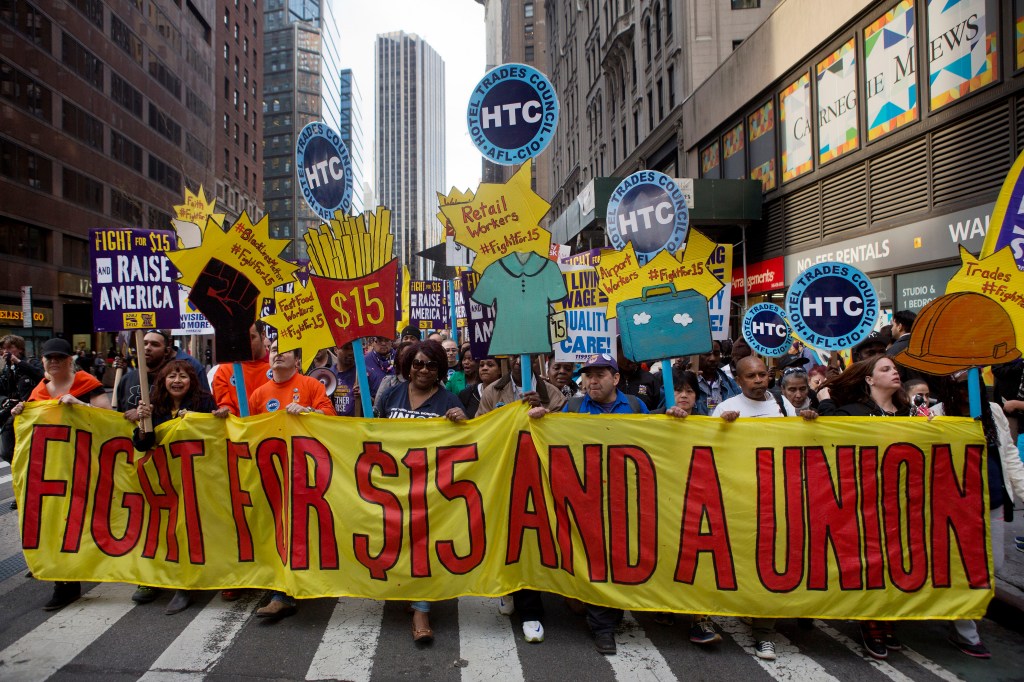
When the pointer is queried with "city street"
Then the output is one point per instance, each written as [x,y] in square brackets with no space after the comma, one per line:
[106,636]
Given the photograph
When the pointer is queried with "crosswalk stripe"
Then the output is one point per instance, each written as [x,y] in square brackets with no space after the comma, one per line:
[881,666]
[637,658]
[930,665]
[4,479]
[56,642]
[203,641]
[487,642]
[790,664]
[349,643]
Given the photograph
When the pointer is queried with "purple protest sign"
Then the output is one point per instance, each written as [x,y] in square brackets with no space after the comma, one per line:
[133,281]
[481,318]
[461,312]
[428,303]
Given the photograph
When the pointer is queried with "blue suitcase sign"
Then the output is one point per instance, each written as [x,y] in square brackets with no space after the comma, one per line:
[667,325]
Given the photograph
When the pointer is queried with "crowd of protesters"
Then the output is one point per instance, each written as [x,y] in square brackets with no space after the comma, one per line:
[412,377]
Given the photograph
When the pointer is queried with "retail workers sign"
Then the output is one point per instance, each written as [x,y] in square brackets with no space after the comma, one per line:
[640,511]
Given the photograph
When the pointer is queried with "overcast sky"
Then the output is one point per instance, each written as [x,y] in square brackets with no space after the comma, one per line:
[455,29]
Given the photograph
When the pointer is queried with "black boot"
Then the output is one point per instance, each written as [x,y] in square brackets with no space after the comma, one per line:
[63,594]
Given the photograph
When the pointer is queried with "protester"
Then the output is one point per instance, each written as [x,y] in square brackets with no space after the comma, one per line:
[488,371]
[1006,484]
[390,380]
[451,350]
[156,345]
[873,345]
[410,333]
[715,385]
[635,380]
[19,376]
[560,374]
[295,393]
[739,350]
[919,395]
[346,389]
[794,395]
[380,362]
[869,388]
[1010,392]
[467,372]
[902,325]
[324,358]
[175,392]
[754,401]
[422,396]
[69,387]
[816,376]
[255,372]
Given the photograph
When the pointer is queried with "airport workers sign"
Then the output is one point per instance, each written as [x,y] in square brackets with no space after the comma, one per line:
[648,210]
[512,113]
[766,330]
[832,306]
[324,170]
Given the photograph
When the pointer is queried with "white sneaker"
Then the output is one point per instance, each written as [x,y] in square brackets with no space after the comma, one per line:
[533,631]
[765,650]
[506,606]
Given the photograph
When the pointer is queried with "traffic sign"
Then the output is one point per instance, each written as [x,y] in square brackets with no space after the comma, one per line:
[512,113]
[766,330]
[648,210]
[832,306]
[324,170]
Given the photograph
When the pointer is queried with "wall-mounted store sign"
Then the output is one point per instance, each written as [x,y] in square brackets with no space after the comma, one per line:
[933,239]
[767,275]
[12,316]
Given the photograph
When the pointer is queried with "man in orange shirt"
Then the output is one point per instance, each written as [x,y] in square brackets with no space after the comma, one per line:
[255,371]
[295,393]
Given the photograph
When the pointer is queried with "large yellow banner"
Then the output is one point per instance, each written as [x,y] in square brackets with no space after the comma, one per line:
[837,518]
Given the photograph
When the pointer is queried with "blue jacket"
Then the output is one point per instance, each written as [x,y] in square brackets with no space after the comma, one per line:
[729,389]
[621,406]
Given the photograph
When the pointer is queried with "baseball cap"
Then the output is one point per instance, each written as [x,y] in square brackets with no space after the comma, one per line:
[57,347]
[601,360]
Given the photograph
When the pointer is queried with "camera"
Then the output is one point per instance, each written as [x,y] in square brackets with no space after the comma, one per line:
[5,409]
[920,400]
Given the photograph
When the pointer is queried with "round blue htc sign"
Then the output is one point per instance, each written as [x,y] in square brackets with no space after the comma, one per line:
[648,210]
[512,113]
[766,330]
[832,306]
[324,169]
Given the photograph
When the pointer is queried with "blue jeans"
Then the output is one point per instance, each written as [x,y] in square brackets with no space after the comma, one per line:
[421,606]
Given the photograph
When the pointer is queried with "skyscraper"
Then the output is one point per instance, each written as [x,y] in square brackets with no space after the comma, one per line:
[350,128]
[410,141]
[302,82]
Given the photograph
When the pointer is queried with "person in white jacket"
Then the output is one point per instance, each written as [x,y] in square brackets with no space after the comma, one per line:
[1007,466]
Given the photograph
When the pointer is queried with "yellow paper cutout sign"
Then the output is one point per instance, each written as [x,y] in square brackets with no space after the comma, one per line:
[349,248]
[196,209]
[997,278]
[455,196]
[623,279]
[300,322]
[247,248]
[501,219]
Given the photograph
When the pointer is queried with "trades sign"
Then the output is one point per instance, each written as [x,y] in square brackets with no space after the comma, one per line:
[832,306]
[512,113]
[766,330]
[133,281]
[647,210]
[324,170]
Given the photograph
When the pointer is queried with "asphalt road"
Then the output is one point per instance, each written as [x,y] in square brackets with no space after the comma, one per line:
[105,636]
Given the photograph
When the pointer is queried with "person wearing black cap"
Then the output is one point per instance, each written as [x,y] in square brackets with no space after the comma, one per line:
[69,387]
[873,345]
[410,333]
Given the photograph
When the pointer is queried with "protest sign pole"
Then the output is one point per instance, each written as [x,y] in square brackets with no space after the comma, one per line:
[974,391]
[451,309]
[146,425]
[669,383]
[364,381]
[243,399]
[118,373]
[524,366]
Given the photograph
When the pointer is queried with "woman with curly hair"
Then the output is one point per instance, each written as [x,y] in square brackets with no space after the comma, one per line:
[423,365]
[175,391]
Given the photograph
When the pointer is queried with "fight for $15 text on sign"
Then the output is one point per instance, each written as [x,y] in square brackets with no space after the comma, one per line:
[133,281]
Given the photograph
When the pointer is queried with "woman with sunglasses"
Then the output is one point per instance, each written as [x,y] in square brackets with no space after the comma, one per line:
[70,387]
[423,365]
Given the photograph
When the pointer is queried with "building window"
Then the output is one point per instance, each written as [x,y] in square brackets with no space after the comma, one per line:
[227,53]
[671,86]
[528,10]
[24,92]
[81,125]
[75,253]
[32,23]
[650,110]
[668,19]
[82,61]
[124,150]
[661,102]
[92,9]
[657,26]
[125,95]
[647,34]
[83,190]
[25,167]
[164,174]
[528,53]
[746,4]
[125,208]
[164,76]
[24,241]
[124,38]
[164,124]
[158,220]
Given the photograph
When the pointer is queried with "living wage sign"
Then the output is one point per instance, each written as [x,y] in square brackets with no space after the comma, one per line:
[640,511]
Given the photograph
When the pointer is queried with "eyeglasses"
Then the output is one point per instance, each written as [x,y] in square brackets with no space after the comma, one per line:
[429,365]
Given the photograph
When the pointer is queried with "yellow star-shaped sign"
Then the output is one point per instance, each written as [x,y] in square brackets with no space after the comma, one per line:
[246,247]
[453,197]
[996,277]
[196,209]
[501,219]
[623,279]
[300,323]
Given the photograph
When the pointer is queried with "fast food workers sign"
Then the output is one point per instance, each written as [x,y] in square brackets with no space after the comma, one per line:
[832,306]
[512,113]
[324,169]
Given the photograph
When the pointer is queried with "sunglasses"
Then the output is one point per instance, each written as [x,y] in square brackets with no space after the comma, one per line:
[430,365]
[793,370]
